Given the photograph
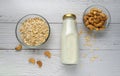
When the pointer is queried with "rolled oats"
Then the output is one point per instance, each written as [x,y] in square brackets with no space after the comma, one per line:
[34,31]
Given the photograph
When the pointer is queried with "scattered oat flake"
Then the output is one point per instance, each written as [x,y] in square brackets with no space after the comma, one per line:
[80,32]
[93,58]
[39,63]
[31,60]
[91,50]
[18,48]
[48,54]
[88,44]
[94,36]
[84,55]
[89,32]
[97,49]
[87,38]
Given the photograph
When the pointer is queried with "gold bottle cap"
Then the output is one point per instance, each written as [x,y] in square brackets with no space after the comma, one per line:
[69,15]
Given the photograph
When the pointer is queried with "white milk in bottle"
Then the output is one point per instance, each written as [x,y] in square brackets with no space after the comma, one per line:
[69,40]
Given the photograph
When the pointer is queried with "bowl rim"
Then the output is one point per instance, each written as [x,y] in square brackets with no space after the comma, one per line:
[97,5]
[20,40]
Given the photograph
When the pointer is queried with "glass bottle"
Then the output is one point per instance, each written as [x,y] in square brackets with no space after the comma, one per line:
[69,40]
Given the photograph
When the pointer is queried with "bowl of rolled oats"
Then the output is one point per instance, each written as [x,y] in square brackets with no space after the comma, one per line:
[32,30]
[96,17]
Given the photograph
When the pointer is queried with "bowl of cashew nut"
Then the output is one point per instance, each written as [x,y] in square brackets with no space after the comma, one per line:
[96,17]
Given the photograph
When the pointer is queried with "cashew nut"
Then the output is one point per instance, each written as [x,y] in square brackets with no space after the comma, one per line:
[91,27]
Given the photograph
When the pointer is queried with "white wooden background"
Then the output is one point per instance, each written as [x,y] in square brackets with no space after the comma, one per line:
[106,45]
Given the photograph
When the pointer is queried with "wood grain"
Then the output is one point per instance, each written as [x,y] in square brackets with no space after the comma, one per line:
[105,44]
[14,63]
[12,11]
[109,37]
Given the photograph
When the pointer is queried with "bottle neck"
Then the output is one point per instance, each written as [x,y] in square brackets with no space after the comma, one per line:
[69,24]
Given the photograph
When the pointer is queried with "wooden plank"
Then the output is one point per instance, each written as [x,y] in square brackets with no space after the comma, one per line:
[16,64]
[108,39]
[14,10]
